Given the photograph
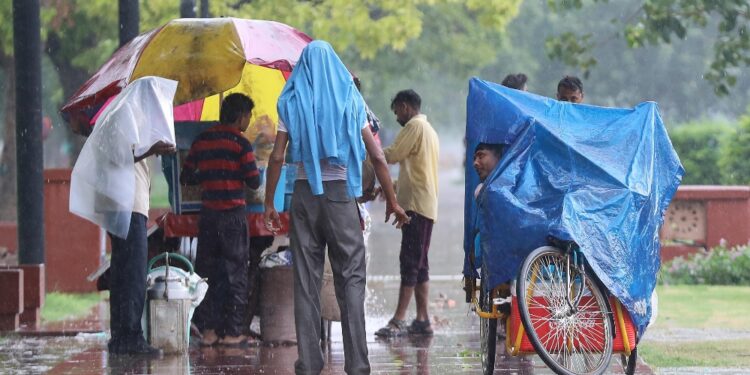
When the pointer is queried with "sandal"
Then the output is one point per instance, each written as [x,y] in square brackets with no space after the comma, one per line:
[420,327]
[394,328]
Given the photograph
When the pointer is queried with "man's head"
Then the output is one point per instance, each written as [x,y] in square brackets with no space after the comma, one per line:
[515,81]
[405,105]
[236,110]
[570,89]
[486,156]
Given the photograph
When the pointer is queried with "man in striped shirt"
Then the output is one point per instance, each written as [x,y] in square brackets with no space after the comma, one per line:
[221,160]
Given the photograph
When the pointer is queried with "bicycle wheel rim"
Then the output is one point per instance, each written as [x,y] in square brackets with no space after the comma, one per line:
[487,333]
[568,342]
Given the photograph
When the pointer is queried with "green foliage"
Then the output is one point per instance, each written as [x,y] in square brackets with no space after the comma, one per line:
[656,22]
[699,147]
[735,158]
[719,266]
[369,26]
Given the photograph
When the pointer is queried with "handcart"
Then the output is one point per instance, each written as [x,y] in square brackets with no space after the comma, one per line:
[563,234]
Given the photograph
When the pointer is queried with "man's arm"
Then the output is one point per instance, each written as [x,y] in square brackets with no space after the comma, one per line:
[403,145]
[187,174]
[159,148]
[249,167]
[275,162]
[381,172]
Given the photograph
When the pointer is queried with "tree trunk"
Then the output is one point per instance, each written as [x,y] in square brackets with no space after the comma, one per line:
[8,176]
[71,79]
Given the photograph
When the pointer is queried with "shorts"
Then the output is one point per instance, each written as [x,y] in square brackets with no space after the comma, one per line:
[415,244]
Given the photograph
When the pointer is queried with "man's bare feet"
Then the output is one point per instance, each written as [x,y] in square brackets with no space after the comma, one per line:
[209,338]
[233,340]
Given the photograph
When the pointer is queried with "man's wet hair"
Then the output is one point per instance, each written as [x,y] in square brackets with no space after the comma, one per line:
[357,83]
[234,106]
[571,83]
[515,81]
[495,148]
[410,97]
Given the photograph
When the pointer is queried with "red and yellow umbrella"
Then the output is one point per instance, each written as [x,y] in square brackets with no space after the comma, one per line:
[210,58]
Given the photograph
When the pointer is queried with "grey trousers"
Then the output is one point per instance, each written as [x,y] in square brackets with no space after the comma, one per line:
[330,219]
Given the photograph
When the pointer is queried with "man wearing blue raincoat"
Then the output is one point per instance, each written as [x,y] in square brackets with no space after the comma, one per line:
[324,126]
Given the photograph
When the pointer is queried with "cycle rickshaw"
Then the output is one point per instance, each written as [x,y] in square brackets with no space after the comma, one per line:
[566,226]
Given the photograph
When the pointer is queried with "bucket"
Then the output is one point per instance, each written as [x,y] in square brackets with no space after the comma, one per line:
[277,305]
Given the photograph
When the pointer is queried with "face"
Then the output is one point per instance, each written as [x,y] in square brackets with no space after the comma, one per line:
[245,121]
[565,94]
[484,162]
[403,113]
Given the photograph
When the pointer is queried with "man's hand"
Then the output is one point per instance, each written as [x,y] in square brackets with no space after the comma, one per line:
[271,220]
[162,148]
[400,218]
[370,195]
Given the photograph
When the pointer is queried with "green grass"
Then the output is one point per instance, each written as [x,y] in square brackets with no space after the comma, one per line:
[703,306]
[700,307]
[724,353]
[61,306]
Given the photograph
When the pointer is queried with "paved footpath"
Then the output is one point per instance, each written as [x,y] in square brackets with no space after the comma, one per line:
[454,349]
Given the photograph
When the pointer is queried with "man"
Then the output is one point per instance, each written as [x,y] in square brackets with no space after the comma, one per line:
[221,159]
[570,89]
[127,281]
[323,122]
[416,149]
[515,81]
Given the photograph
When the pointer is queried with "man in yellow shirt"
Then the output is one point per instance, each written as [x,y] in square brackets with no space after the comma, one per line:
[416,149]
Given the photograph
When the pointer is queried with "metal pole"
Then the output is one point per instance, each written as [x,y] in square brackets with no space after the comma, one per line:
[129,20]
[204,9]
[29,148]
[187,8]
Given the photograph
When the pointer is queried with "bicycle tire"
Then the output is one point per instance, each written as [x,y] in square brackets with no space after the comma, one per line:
[630,362]
[569,343]
[487,332]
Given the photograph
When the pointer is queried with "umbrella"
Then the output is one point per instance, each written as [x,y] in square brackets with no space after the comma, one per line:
[601,177]
[210,58]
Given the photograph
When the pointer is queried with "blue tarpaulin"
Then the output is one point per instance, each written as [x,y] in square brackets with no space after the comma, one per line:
[601,177]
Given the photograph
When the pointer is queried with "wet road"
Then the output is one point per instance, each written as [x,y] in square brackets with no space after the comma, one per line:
[454,348]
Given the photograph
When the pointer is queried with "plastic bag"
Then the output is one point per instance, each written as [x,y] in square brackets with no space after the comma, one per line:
[102,188]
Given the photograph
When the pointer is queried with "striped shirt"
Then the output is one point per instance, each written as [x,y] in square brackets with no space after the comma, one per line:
[221,160]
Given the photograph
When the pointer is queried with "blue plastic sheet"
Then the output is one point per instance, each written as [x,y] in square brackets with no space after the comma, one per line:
[601,177]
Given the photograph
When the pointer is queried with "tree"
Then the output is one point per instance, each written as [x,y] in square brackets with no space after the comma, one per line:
[655,22]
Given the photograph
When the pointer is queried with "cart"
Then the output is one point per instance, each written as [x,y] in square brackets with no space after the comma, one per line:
[563,234]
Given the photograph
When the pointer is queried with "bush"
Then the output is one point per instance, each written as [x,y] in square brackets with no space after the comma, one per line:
[699,146]
[735,155]
[720,266]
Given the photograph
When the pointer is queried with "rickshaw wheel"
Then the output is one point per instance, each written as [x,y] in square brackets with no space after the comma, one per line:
[629,362]
[569,341]
[487,332]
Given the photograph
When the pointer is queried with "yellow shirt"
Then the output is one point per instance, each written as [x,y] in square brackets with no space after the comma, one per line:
[416,149]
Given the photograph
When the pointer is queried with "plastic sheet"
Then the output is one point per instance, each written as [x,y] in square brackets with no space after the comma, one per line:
[601,177]
[102,188]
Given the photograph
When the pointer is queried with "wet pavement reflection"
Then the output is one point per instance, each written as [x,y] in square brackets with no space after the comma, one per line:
[453,349]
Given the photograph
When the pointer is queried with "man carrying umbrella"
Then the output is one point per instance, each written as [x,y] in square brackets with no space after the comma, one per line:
[324,126]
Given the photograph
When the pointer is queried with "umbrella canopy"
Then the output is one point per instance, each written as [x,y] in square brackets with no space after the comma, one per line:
[601,177]
[210,58]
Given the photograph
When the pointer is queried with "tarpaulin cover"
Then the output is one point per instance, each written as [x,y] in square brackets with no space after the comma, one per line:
[102,186]
[601,177]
